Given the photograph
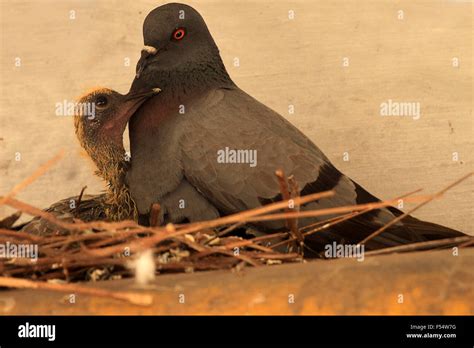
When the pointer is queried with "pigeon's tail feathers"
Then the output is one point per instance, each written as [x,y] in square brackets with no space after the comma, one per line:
[355,230]
[407,230]
[426,230]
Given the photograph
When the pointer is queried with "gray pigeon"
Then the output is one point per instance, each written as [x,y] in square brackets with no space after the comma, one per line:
[204,130]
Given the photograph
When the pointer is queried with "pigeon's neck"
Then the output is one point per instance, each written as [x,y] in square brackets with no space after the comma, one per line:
[205,73]
[109,160]
[112,167]
[119,202]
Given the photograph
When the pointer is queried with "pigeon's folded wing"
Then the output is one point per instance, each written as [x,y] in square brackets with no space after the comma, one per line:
[232,147]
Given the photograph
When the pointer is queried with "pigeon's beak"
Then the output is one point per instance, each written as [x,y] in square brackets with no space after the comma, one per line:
[147,52]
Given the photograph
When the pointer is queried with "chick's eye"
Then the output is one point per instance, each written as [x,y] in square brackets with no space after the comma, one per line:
[101,101]
[178,34]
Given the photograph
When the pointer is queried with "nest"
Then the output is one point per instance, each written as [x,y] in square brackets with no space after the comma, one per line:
[98,250]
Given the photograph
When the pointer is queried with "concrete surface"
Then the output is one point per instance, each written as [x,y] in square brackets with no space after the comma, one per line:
[422,283]
[282,62]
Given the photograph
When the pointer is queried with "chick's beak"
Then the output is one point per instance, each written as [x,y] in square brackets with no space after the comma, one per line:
[142,95]
[132,102]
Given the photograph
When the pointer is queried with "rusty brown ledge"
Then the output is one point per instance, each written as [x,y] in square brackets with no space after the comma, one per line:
[431,283]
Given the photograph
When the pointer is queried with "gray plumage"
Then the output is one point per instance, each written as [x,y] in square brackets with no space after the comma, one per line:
[170,147]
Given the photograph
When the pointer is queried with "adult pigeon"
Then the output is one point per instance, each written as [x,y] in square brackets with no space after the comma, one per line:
[205,130]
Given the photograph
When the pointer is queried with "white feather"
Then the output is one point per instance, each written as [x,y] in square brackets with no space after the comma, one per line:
[144,268]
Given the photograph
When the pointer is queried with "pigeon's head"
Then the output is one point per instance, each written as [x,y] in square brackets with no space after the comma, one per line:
[101,116]
[178,46]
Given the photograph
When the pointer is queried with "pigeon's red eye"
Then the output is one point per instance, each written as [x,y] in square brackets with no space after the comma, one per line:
[178,34]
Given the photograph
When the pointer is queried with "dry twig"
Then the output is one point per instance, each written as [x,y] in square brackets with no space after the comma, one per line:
[134,298]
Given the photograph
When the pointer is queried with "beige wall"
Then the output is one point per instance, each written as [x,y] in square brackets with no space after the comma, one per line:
[282,62]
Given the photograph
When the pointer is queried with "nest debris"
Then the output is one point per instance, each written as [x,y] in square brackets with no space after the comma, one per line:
[102,250]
